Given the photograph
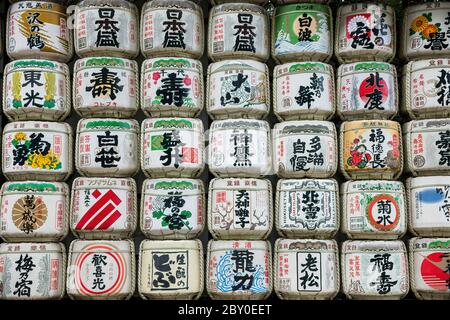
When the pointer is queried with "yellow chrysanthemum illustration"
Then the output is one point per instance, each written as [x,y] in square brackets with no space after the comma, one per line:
[419,24]
[39,161]
[430,29]
[20,136]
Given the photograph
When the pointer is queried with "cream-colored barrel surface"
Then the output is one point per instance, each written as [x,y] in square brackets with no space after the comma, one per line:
[239,148]
[370,149]
[303,90]
[32,271]
[106,87]
[172,208]
[429,260]
[172,147]
[373,209]
[37,150]
[365,32]
[107,147]
[238,30]
[374,270]
[106,27]
[428,206]
[101,270]
[239,270]
[36,90]
[307,208]
[240,208]
[171,269]
[103,208]
[427,147]
[367,90]
[34,211]
[306,269]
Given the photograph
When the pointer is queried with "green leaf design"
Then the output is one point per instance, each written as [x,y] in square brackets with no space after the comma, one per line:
[164,223]
[157,214]
[411,32]
[428,16]
[185,214]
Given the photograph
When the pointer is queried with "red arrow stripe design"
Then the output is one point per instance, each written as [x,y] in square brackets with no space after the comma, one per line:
[109,195]
[112,218]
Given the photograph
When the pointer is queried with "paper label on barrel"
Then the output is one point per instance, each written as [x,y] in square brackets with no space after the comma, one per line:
[105,28]
[368,86]
[302,28]
[170,270]
[35,150]
[172,83]
[309,205]
[376,274]
[241,269]
[430,206]
[172,206]
[427,29]
[105,83]
[172,28]
[38,26]
[371,146]
[36,84]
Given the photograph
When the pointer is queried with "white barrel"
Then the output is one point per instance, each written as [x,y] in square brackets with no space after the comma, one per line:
[103,208]
[307,208]
[107,147]
[374,270]
[306,269]
[172,148]
[101,270]
[240,208]
[239,148]
[239,270]
[106,87]
[36,90]
[238,89]
[37,150]
[171,269]
[172,208]
[32,271]
[303,90]
[373,209]
[34,211]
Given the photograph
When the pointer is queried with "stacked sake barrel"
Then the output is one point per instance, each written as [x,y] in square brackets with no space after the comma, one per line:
[425,49]
[172,150]
[373,210]
[37,152]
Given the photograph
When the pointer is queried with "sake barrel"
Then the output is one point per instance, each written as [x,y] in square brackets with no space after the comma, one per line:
[103,208]
[172,28]
[367,90]
[36,90]
[429,268]
[106,87]
[365,32]
[106,28]
[374,270]
[373,209]
[427,147]
[240,208]
[229,275]
[239,148]
[303,90]
[172,208]
[304,149]
[171,269]
[238,30]
[172,87]
[307,208]
[38,30]
[238,89]
[260,2]
[34,211]
[306,269]
[302,32]
[107,147]
[101,270]
[428,206]
[371,149]
[37,150]
[32,271]
[172,147]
